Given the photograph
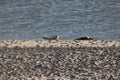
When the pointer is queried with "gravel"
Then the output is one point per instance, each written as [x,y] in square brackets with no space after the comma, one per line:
[60,63]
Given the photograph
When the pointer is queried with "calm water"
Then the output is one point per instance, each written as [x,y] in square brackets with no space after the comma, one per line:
[70,19]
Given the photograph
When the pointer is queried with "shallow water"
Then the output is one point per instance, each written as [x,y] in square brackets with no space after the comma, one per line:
[70,19]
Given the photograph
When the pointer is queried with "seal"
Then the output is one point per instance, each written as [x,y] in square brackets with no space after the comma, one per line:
[84,38]
[56,37]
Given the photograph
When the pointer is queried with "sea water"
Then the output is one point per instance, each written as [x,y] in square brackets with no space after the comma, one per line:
[70,19]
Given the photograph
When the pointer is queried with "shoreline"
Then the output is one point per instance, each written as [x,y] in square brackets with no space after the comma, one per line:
[60,43]
[59,60]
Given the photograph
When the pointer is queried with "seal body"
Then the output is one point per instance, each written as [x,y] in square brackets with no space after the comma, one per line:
[56,37]
[84,38]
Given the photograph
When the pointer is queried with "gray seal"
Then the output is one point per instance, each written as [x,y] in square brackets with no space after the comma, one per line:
[56,37]
[84,38]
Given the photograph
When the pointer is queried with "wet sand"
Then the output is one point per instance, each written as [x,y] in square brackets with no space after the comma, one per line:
[59,60]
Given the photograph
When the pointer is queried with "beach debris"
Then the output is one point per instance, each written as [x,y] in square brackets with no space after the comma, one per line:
[84,38]
[56,37]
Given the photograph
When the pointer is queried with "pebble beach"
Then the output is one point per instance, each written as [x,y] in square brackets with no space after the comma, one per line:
[59,60]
